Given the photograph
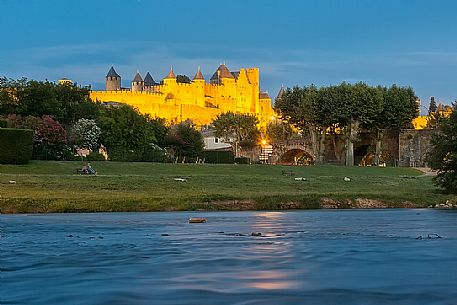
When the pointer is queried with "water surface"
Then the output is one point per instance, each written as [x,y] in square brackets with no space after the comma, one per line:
[303,257]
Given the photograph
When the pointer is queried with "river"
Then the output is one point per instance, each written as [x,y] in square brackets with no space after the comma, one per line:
[245,258]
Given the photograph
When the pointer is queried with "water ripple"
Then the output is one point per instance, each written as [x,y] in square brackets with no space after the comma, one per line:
[245,258]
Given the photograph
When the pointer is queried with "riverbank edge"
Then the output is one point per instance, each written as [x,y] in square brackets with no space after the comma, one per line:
[31,207]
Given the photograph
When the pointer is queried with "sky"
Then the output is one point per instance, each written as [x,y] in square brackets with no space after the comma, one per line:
[292,42]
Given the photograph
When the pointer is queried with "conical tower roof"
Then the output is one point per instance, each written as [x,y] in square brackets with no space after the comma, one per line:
[170,74]
[199,75]
[281,92]
[148,80]
[112,73]
[137,77]
[222,72]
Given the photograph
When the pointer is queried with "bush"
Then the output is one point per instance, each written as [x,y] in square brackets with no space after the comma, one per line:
[243,160]
[122,154]
[214,156]
[16,145]
[154,153]
[95,156]
[3,123]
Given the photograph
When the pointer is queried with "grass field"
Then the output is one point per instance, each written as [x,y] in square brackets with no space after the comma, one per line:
[55,187]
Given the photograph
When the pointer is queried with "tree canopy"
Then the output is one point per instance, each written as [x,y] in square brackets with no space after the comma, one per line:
[443,156]
[184,140]
[65,103]
[349,108]
[237,129]
[183,79]
[124,128]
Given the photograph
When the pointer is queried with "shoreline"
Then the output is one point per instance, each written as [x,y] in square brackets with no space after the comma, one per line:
[247,205]
[52,187]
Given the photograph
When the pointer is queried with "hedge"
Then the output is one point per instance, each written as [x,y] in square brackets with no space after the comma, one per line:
[16,145]
[216,156]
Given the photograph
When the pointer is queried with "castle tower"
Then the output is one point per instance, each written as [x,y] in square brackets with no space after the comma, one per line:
[199,82]
[243,91]
[137,82]
[113,80]
[170,78]
[222,75]
[253,76]
[198,76]
[148,82]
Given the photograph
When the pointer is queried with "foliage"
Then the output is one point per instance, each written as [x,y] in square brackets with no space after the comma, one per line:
[243,160]
[443,156]
[16,145]
[184,140]
[124,129]
[216,156]
[34,98]
[49,141]
[399,108]
[95,156]
[349,108]
[183,79]
[279,131]
[432,106]
[154,153]
[160,130]
[8,98]
[237,129]
[85,134]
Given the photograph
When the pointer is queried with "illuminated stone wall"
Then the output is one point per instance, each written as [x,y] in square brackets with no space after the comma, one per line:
[198,101]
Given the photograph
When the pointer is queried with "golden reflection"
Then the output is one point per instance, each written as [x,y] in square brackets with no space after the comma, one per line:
[270,215]
[271,246]
[270,280]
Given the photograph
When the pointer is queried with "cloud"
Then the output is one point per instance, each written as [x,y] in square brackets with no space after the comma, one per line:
[429,72]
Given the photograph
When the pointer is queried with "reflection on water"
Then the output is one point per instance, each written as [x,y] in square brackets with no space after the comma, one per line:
[303,257]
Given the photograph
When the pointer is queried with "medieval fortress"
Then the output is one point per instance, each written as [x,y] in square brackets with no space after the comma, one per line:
[198,101]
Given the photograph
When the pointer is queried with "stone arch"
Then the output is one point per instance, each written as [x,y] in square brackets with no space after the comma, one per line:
[297,156]
[293,154]
[362,155]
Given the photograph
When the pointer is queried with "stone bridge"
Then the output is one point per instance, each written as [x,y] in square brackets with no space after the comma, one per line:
[292,152]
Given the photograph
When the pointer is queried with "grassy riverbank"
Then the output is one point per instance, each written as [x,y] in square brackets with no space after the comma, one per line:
[54,187]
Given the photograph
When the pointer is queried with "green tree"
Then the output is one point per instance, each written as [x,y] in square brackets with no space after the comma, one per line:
[85,134]
[65,103]
[183,79]
[125,130]
[38,99]
[311,110]
[160,130]
[185,140]
[432,106]
[399,108]
[443,155]
[357,107]
[50,139]
[279,131]
[75,104]
[237,129]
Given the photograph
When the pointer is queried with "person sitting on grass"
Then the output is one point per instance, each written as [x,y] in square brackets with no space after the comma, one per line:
[88,169]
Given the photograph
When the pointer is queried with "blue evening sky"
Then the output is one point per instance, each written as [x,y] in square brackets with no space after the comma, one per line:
[293,42]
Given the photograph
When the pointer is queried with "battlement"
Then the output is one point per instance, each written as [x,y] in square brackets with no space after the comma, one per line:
[125,92]
[199,100]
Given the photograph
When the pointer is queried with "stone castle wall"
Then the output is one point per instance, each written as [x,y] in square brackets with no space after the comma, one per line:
[198,101]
